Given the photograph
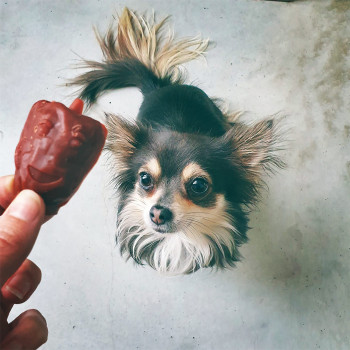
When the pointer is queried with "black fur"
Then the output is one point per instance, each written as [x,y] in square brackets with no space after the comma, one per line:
[179,124]
[116,75]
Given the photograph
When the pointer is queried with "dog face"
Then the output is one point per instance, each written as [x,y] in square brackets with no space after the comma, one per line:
[185,173]
[181,196]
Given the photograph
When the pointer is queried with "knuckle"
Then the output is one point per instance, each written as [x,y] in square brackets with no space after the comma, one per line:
[8,238]
[13,234]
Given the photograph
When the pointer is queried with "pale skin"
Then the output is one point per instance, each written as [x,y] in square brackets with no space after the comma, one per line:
[20,222]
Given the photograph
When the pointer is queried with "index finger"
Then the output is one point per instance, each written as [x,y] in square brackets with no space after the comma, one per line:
[7,192]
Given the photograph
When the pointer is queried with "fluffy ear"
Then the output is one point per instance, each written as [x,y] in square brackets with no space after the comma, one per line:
[122,140]
[254,146]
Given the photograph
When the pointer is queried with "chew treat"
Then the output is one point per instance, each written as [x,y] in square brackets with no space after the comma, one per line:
[57,148]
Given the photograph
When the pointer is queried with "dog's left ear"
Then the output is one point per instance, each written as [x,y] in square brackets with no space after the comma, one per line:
[123,140]
[254,146]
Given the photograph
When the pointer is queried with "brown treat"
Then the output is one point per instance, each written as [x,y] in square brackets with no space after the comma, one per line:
[57,148]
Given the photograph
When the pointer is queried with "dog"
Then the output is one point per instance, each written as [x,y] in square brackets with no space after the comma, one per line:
[186,174]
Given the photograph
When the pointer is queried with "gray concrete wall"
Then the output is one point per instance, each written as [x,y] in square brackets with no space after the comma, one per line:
[292,290]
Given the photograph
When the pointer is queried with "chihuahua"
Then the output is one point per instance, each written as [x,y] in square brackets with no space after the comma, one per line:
[185,173]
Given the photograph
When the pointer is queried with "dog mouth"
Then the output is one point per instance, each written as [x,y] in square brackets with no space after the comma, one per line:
[42,177]
[160,230]
[163,229]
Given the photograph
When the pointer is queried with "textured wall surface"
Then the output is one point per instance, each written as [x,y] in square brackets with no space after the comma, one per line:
[292,290]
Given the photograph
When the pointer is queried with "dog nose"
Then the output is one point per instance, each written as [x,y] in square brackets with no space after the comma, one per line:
[160,215]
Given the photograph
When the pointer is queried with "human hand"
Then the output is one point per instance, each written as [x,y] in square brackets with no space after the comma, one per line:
[20,222]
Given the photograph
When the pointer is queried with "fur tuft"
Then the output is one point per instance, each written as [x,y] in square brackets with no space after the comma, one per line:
[142,38]
[256,147]
[121,141]
[137,54]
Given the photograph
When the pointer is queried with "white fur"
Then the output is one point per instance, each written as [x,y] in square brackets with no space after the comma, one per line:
[182,251]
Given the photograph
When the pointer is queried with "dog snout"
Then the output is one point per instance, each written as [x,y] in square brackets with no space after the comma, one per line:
[160,215]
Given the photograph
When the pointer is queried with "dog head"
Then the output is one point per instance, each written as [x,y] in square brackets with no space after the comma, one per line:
[183,198]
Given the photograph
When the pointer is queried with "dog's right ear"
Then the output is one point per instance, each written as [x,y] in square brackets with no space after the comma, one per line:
[255,146]
[123,140]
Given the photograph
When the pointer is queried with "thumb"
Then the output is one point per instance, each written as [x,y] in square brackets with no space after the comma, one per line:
[19,228]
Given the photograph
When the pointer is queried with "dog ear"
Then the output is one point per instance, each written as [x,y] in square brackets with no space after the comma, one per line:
[123,140]
[254,147]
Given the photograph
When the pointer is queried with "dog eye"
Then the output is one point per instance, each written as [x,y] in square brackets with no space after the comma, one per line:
[199,186]
[146,181]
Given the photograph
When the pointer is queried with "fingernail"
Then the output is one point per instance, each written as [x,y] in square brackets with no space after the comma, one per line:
[26,206]
[9,182]
[19,286]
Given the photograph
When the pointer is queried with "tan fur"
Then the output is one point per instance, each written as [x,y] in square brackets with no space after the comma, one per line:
[255,146]
[153,168]
[183,251]
[120,141]
[193,170]
[142,38]
[208,221]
